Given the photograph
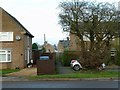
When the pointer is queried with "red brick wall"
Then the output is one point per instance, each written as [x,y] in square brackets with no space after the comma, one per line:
[17,47]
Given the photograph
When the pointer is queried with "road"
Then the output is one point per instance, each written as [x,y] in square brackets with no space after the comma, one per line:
[62,84]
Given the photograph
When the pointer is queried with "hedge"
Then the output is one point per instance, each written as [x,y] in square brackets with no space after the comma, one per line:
[68,56]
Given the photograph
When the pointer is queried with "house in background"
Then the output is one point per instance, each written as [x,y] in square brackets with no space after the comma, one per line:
[16,42]
[63,45]
[75,43]
[49,48]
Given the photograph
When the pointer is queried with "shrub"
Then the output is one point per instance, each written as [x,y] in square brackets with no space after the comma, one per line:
[117,61]
[68,56]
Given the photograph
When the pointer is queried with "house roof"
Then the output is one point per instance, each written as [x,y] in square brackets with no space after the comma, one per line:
[64,43]
[26,31]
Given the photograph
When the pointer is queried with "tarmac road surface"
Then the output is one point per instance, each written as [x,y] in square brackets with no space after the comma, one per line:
[62,84]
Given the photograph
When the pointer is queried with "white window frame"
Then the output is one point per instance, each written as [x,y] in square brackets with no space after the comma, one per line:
[8,36]
[6,53]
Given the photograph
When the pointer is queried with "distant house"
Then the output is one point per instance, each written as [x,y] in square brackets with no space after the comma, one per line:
[16,42]
[63,45]
[49,48]
[75,43]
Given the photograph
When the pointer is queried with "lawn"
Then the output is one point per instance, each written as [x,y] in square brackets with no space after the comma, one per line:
[3,72]
[86,74]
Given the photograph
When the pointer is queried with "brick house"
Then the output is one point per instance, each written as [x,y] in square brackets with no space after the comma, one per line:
[63,45]
[75,43]
[49,48]
[15,41]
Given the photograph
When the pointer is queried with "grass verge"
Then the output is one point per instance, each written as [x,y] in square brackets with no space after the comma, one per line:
[3,72]
[88,74]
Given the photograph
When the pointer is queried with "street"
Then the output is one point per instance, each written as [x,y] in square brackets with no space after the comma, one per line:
[62,84]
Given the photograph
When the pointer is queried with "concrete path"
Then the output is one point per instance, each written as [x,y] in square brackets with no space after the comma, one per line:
[24,72]
[64,70]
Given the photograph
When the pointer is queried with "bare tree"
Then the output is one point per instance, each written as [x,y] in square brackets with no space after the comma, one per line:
[95,21]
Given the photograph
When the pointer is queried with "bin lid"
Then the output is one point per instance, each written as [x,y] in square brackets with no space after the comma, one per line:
[44,57]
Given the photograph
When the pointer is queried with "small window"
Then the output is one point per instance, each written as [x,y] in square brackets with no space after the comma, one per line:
[6,36]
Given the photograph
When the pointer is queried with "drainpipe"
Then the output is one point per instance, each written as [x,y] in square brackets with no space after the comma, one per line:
[28,56]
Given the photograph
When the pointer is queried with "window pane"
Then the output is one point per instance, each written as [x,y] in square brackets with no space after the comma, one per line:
[3,33]
[2,57]
[9,57]
[3,37]
[10,36]
[8,51]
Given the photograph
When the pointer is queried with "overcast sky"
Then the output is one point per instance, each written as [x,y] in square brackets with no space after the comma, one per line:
[39,17]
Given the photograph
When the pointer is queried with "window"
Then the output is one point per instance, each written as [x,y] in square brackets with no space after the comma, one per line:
[6,36]
[5,56]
